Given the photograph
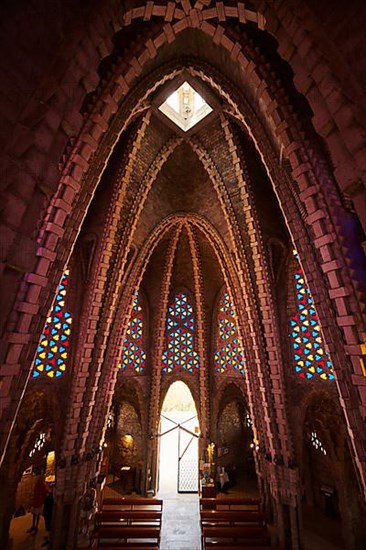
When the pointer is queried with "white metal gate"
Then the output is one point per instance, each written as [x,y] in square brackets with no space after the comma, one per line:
[187,479]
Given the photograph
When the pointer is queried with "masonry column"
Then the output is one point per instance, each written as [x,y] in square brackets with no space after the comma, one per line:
[70,487]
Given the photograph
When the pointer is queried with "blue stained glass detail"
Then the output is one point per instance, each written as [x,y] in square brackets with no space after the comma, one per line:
[49,361]
[229,355]
[311,359]
[180,327]
[133,354]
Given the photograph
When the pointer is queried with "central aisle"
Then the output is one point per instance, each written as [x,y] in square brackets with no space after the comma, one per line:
[180,528]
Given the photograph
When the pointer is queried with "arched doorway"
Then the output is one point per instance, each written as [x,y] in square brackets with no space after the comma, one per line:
[178,442]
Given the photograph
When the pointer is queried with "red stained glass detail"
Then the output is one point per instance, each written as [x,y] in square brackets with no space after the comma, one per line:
[180,350]
[228,355]
[133,354]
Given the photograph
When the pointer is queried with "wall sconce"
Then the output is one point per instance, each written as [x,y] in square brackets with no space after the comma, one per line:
[127,441]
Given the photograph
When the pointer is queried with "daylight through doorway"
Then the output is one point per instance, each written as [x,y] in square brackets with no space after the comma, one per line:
[178,442]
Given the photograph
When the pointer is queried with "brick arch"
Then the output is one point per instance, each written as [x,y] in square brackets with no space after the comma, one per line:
[118,276]
[231,389]
[130,391]
[133,397]
[301,172]
[293,210]
[246,15]
[190,385]
[318,397]
[78,163]
[129,73]
[38,410]
[260,385]
[313,75]
[331,430]
[116,337]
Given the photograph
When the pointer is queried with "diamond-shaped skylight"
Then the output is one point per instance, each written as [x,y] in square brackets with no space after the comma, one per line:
[185,107]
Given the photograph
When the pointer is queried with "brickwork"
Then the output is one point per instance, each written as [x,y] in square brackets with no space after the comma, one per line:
[80,126]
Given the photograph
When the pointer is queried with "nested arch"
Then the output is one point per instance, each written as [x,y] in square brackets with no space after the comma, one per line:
[286,134]
[125,436]
[127,81]
[136,275]
[323,416]
[37,431]
[233,433]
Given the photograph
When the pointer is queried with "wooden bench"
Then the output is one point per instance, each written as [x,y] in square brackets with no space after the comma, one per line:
[242,536]
[125,534]
[130,546]
[133,503]
[230,504]
[239,545]
[232,517]
[128,517]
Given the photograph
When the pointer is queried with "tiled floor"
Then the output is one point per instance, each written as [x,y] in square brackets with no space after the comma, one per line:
[180,528]
[20,539]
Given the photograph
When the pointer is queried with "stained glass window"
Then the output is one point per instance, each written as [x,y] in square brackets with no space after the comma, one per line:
[133,354]
[248,421]
[311,359]
[38,444]
[316,442]
[229,355]
[180,327]
[52,351]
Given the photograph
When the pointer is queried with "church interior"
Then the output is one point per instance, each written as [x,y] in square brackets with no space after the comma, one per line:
[183,200]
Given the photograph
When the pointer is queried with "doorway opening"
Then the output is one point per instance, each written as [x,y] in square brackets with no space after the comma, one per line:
[178,442]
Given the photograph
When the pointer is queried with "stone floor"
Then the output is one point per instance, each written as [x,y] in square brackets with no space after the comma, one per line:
[20,539]
[180,528]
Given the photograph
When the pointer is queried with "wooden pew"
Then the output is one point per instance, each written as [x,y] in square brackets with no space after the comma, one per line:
[239,536]
[133,503]
[120,536]
[234,545]
[232,517]
[128,517]
[230,504]
[129,545]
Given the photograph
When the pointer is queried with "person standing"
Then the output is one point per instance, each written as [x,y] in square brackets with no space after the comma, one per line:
[47,514]
[39,496]
[88,507]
